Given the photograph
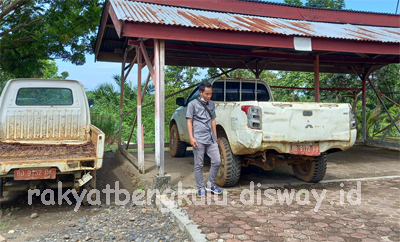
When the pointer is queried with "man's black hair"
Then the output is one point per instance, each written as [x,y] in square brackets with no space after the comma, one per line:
[203,86]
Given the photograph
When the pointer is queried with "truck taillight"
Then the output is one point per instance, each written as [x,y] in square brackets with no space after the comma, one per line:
[253,116]
[352,120]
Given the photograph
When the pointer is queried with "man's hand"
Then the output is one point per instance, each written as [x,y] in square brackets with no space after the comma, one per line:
[193,142]
[189,123]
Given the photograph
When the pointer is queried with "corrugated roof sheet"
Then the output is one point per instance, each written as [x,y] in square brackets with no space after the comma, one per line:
[307,7]
[171,15]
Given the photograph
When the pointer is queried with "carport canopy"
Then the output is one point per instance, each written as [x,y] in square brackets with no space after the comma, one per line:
[241,34]
[226,33]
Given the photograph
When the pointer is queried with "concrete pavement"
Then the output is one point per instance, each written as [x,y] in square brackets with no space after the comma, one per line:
[275,206]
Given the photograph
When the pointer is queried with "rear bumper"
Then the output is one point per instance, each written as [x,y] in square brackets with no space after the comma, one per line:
[63,166]
[253,142]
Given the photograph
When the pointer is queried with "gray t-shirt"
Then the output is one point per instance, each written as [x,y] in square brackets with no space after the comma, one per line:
[202,128]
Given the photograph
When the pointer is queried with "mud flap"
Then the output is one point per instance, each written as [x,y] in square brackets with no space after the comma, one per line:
[89,185]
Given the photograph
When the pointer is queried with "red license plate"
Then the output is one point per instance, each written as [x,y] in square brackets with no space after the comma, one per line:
[34,174]
[311,150]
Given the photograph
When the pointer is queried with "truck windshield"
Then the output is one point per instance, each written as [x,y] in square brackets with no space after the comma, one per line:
[44,96]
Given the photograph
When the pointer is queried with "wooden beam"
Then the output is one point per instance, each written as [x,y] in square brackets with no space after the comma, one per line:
[131,65]
[255,73]
[139,130]
[112,41]
[156,82]
[363,55]
[135,120]
[101,29]
[147,59]
[316,79]
[216,64]
[121,97]
[322,89]
[168,96]
[380,100]
[181,33]
[146,146]
[128,155]
[275,51]
[161,88]
[117,23]
[274,55]
[364,108]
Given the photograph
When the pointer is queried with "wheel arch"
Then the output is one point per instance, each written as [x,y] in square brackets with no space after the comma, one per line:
[221,132]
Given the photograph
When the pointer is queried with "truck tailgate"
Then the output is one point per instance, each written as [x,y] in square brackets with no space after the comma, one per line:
[26,156]
[305,122]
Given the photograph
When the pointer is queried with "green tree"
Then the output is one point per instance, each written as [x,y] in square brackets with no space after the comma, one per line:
[333,4]
[36,30]
[48,70]
[294,2]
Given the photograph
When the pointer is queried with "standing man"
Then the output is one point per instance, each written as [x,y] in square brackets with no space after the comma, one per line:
[202,129]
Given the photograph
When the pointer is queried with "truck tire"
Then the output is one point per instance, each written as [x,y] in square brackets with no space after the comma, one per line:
[229,171]
[177,148]
[311,171]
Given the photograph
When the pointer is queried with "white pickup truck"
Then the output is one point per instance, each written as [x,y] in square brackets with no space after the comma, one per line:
[253,129]
[46,136]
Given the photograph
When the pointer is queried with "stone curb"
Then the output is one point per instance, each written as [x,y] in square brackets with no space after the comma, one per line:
[164,205]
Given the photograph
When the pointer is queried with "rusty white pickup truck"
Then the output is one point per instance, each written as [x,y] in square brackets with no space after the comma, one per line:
[46,136]
[253,129]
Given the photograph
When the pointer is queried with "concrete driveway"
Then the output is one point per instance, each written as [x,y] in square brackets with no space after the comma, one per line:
[357,162]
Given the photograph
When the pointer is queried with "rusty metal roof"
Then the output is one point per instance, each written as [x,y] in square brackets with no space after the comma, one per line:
[321,8]
[187,17]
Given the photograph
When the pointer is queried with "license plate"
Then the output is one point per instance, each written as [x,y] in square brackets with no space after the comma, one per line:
[35,174]
[311,150]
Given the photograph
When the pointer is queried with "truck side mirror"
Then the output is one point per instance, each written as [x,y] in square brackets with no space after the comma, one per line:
[91,102]
[180,101]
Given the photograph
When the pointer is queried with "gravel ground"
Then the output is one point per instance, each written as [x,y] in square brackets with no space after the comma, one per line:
[118,223]
[20,221]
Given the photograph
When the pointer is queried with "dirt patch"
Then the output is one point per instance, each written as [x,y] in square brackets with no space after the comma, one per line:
[16,214]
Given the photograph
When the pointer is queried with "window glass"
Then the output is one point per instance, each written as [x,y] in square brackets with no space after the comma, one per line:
[262,92]
[44,96]
[218,91]
[248,93]
[232,92]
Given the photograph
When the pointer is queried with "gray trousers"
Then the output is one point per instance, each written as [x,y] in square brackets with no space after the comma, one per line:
[213,152]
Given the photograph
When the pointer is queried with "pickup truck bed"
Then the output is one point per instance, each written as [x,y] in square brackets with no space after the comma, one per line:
[19,152]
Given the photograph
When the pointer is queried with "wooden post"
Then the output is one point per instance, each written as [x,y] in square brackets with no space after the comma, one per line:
[162,106]
[139,130]
[157,99]
[364,108]
[121,99]
[316,79]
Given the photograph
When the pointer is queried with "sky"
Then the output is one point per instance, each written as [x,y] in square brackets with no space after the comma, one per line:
[92,73]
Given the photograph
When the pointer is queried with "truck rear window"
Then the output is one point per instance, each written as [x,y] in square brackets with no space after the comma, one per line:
[44,96]
[232,90]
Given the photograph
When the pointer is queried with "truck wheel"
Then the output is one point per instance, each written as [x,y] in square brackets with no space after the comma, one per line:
[311,171]
[229,172]
[177,148]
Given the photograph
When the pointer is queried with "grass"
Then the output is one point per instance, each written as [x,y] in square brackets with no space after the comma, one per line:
[4,225]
